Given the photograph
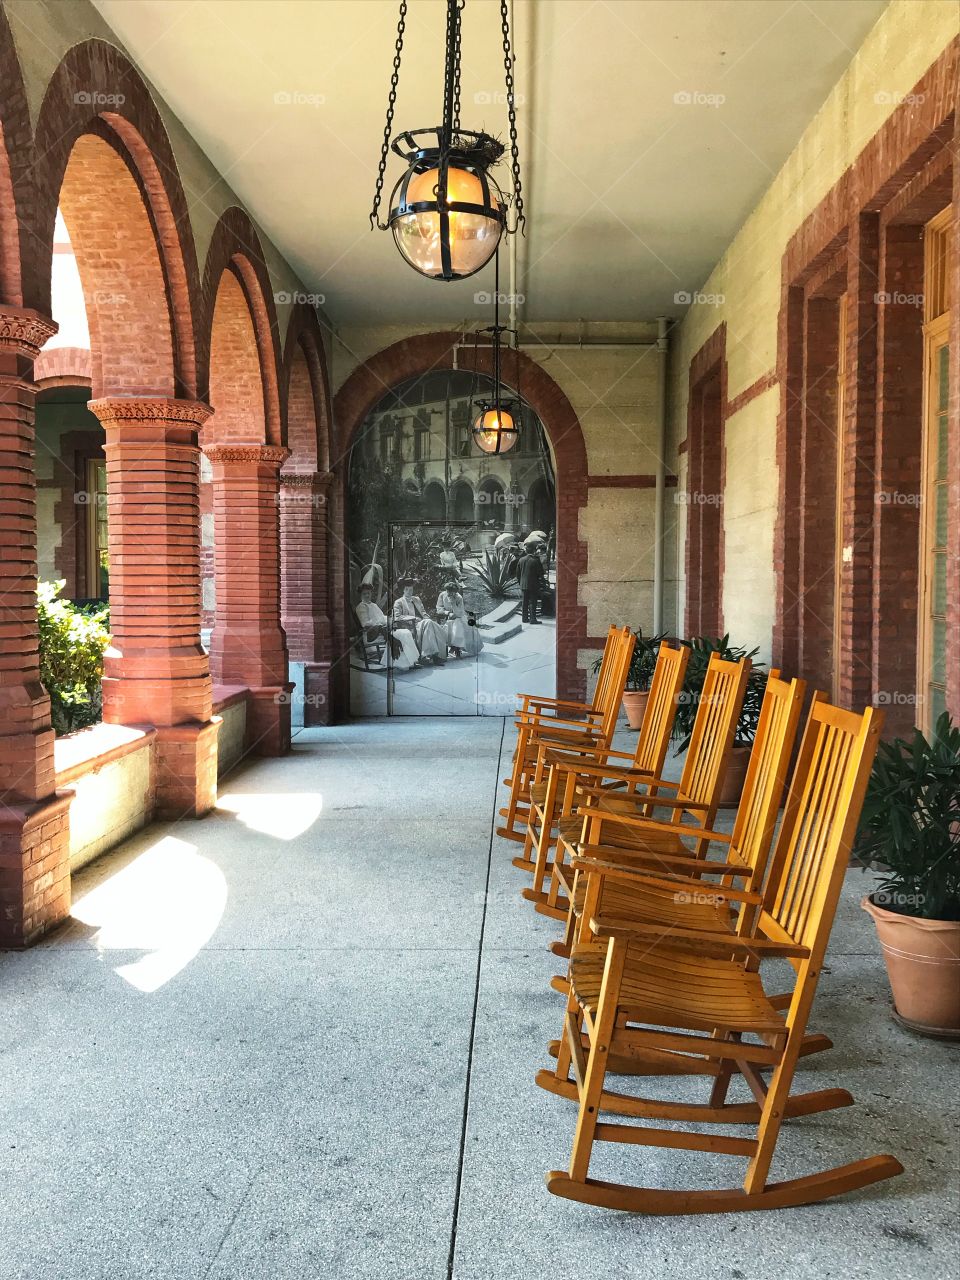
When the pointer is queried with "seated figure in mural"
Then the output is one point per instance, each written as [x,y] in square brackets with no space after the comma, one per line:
[462,637]
[375,624]
[410,615]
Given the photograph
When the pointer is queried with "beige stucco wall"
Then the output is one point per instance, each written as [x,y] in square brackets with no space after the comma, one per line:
[614,390]
[43,31]
[746,287]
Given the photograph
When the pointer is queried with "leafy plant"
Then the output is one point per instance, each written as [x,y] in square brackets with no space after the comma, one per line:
[910,826]
[496,573]
[72,644]
[642,663]
[702,649]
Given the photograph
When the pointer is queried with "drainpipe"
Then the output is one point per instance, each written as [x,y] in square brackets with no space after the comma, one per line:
[661,477]
[512,245]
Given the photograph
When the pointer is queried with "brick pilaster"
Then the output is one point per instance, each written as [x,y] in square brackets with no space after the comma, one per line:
[248,646]
[304,582]
[34,835]
[156,671]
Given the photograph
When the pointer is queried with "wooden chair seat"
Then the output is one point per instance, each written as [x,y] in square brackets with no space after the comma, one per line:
[684,907]
[538,792]
[663,987]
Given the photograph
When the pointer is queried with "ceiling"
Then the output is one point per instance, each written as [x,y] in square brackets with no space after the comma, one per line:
[648,130]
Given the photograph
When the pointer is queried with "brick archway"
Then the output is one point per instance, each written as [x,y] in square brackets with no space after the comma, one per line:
[16,157]
[413,357]
[242,442]
[99,138]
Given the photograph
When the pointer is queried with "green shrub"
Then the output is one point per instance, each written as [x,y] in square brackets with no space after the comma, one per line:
[702,649]
[72,644]
[910,826]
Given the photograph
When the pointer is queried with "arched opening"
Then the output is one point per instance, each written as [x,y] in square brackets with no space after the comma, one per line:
[434,501]
[561,441]
[440,624]
[491,503]
[461,502]
[240,506]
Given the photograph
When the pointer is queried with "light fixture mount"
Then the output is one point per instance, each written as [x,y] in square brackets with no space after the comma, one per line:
[447,213]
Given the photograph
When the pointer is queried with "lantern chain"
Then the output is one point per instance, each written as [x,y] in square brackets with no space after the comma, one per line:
[388,127]
[519,220]
[456,69]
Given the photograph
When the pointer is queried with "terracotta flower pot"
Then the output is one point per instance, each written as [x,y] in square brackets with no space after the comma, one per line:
[733,779]
[923,965]
[635,704]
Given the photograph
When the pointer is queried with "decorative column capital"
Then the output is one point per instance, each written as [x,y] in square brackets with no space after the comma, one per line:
[25,330]
[267,453]
[115,411]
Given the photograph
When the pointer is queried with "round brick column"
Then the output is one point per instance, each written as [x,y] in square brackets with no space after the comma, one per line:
[34,836]
[304,589]
[156,671]
[248,646]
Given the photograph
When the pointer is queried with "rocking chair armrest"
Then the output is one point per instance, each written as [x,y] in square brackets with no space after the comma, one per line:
[534,700]
[605,771]
[695,939]
[688,867]
[548,722]
[675,828]
[639,877]
[590,810]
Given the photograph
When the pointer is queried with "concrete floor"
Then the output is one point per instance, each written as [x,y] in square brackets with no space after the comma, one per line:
[298,1040]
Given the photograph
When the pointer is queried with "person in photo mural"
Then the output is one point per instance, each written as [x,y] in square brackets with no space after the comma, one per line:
[375,624]
[531,577]
[462,637]
[410,614]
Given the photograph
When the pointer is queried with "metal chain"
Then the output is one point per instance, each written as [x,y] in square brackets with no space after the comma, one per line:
[456,70]
[519,219]
[388,127]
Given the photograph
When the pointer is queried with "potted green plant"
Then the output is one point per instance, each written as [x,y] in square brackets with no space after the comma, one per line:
[702,649]
[909,834]
[640,673]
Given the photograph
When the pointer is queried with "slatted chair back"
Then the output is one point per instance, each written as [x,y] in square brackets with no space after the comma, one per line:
[661,708]
[766,775]
[616,679]
[610,650]
[721,700]
[820,820]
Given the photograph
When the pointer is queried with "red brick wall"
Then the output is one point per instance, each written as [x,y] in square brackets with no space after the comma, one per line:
[707,412]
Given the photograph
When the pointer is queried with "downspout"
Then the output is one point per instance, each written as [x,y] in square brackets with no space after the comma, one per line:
[512,240]
[661,478]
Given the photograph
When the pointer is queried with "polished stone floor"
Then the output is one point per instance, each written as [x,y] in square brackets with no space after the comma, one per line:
[298,1040]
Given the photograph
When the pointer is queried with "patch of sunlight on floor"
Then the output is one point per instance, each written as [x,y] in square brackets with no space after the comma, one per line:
[167,903]
[283,816]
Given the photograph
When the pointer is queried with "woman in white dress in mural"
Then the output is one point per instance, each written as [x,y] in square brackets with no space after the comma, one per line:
[462,638]
[409,613]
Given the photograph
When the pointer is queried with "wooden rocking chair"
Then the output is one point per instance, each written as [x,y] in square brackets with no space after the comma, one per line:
[631,825]
[585,730]
[698,996]
[552,790]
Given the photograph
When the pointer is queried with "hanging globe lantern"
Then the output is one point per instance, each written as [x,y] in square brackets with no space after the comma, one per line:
[446,213]
[495,428]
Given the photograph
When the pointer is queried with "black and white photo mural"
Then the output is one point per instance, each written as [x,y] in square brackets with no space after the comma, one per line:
[452,557]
